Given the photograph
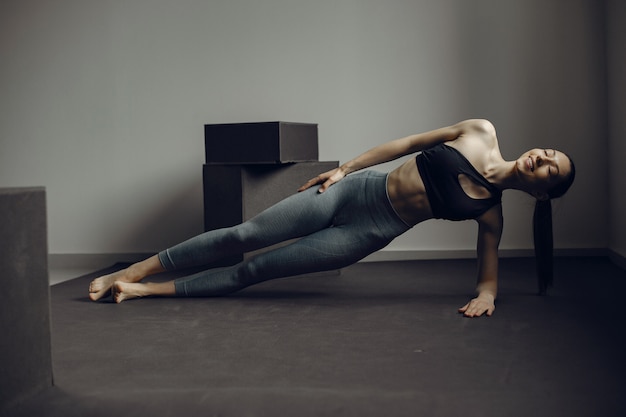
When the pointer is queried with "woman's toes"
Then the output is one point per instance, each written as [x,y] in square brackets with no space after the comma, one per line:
[101,286]
[123,291]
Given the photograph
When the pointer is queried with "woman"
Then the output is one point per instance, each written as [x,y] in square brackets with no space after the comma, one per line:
[459,174]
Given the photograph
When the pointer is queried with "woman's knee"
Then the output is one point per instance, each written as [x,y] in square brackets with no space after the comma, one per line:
[244,234]
[248,272]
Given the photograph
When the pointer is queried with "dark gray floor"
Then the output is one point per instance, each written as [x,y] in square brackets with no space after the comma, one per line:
[381,339]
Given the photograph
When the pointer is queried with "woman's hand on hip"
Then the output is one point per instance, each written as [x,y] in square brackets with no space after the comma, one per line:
[326,179]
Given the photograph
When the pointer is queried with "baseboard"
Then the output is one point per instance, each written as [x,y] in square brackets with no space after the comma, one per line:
[93,261]
[66,266]
[418,255]
[103,260]
[414,255]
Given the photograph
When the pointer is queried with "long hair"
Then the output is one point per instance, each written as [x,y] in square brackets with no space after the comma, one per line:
[542,231]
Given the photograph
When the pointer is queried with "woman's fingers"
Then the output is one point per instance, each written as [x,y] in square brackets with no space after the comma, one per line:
[309,184]
[326,184]
[477,308]
[326,179]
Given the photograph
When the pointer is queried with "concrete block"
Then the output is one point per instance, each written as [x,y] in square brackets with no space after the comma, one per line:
[25,349]
[260,143]
[236,193]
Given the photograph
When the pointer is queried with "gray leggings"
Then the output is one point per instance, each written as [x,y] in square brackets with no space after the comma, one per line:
[347,222]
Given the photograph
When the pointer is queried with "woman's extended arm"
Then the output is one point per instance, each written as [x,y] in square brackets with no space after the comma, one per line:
[489,233]
[395,149]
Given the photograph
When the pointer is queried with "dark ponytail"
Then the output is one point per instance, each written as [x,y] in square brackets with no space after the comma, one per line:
[542,229]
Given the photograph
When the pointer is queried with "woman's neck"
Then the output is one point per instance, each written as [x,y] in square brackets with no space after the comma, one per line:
[505,175]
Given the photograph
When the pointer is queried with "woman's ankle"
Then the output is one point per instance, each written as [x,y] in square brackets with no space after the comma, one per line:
[138,271]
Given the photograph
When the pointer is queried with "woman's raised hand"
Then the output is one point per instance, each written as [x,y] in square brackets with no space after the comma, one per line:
[326,179]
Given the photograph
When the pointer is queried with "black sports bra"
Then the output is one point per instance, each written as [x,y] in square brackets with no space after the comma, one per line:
[439,168]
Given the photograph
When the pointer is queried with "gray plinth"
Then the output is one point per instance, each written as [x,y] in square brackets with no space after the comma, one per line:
[260,143]
[235,193]
[25,351]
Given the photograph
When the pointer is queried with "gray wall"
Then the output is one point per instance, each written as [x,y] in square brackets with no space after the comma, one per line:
[103,102]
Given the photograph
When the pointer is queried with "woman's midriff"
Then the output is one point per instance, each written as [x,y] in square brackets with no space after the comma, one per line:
[407,193]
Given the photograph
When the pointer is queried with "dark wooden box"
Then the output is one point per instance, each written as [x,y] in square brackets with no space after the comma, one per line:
[260,143]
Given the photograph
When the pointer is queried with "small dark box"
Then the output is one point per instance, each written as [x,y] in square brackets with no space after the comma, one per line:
[260,143]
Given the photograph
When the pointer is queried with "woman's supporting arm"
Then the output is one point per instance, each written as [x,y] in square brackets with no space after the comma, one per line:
[489,234]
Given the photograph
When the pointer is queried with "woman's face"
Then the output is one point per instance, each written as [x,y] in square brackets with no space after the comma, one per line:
[542,169]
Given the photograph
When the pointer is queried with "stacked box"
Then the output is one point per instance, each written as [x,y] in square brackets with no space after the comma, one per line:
[251,166]
[260,143]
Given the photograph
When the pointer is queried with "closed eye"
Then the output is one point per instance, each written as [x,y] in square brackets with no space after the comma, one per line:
[552,171]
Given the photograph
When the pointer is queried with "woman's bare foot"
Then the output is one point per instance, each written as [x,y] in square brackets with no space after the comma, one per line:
[128,290]
[101,287]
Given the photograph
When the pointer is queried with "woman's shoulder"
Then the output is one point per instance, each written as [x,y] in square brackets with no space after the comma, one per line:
[479,135]
[481,129]
[478,126]
[479,144]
